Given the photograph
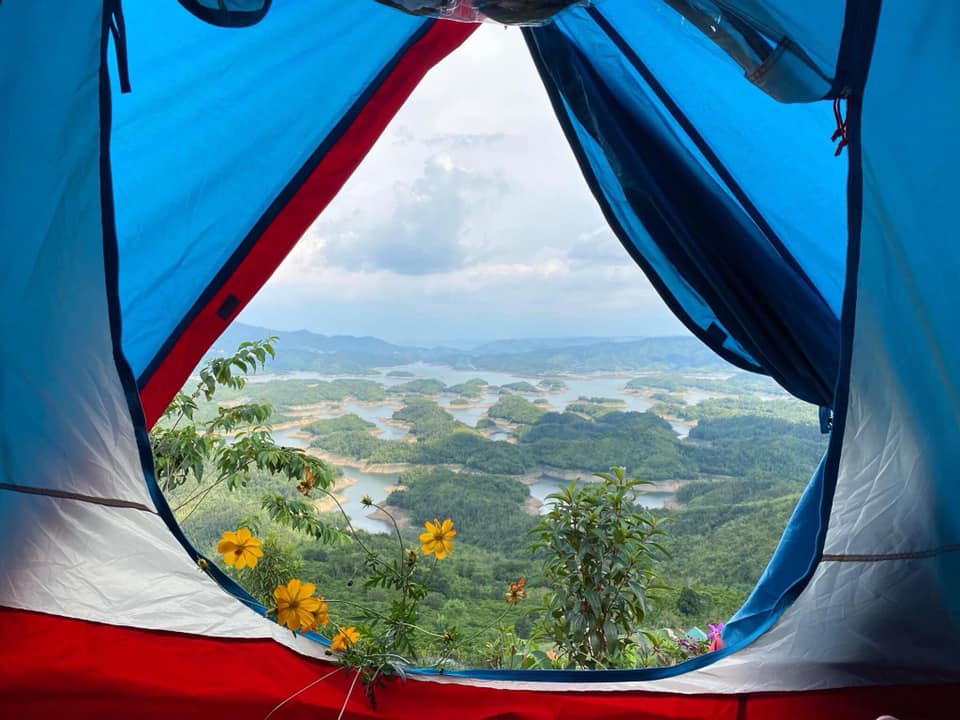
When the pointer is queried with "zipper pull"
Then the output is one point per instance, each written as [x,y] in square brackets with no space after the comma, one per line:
[841,132]
[119,31]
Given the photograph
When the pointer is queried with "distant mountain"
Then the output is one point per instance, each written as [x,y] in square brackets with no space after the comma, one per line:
[305,350]
[657,353]
[520,345]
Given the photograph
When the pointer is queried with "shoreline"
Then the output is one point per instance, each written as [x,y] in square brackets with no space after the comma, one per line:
[325,503]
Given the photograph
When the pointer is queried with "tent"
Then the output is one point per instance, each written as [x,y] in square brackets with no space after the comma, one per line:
[136,225]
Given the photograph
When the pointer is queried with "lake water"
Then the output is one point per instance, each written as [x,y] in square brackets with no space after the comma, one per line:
[548,484]
[372,484]
[375,484]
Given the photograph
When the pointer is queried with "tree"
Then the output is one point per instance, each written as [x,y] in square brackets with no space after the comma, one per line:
[689,603]
[225,445]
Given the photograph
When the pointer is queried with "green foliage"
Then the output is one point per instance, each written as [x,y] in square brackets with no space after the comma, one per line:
[521,387]
[508,651]
[645,441]
[552,385]
[427,386]
[400,374]
[516,409]
[297,392]
[189,449]
[599,551]
[340,424]
[688,602]
[740,383]
[473,388]
[488,508]
[791,410]
[425,418]
[299,515]
[279,563]
[589,409]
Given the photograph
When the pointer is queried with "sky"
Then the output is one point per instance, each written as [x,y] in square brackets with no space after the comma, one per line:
[468,221]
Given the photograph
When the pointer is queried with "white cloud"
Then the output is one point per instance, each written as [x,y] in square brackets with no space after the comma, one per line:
[470,214]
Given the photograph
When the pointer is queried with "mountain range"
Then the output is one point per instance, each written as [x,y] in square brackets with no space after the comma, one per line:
[304,350]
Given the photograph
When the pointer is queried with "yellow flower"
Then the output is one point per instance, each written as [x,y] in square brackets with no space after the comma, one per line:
[344,639]
[296,606]
[240,549]
[322,618]
[437,538]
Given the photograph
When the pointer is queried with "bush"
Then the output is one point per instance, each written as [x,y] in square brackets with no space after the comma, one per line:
[599,552]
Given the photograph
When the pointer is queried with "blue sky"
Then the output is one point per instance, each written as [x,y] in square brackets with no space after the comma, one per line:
[469,220]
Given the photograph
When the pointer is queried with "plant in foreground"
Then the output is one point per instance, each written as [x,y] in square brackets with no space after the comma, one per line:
[599,550]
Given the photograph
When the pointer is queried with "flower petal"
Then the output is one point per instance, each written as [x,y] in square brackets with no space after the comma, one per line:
[243,534]
[306,590]
[310,604]
[226,545]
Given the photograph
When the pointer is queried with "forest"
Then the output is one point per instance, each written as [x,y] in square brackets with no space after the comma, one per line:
[734,479]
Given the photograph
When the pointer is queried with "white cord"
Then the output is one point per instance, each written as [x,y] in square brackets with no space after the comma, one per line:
[304,689]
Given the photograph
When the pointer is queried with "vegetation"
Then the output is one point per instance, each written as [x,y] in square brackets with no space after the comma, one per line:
[715,408]
[473,388]
[516,409]
[740,473]
[427,386]
[488,508]
[233,446]
[521,386]
[599,554]
[738,383]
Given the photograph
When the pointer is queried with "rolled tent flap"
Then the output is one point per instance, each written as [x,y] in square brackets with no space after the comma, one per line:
[700,176]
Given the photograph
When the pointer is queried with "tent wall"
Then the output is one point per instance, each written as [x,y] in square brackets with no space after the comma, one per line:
[84,536]
[163,675]
[300,109]
[101,607]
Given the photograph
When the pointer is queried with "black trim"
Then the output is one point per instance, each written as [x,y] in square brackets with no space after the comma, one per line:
[68,495]
[702,145]
[704,335]
[222,17]
[228,307]
[882,557]
[238,256]
[859,33]
[111,280]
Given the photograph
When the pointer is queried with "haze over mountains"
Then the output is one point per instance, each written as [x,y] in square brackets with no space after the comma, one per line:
[308,351]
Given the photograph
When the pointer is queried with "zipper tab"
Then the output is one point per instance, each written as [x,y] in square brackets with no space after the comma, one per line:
[118,29]
[841,132]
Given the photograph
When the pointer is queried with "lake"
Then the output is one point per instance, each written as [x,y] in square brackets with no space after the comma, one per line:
[375,484]
[548,484]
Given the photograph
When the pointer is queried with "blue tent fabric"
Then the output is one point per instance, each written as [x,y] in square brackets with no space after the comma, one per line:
[277,111]
[763,293]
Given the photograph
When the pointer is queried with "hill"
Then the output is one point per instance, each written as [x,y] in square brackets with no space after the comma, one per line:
[344,354]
